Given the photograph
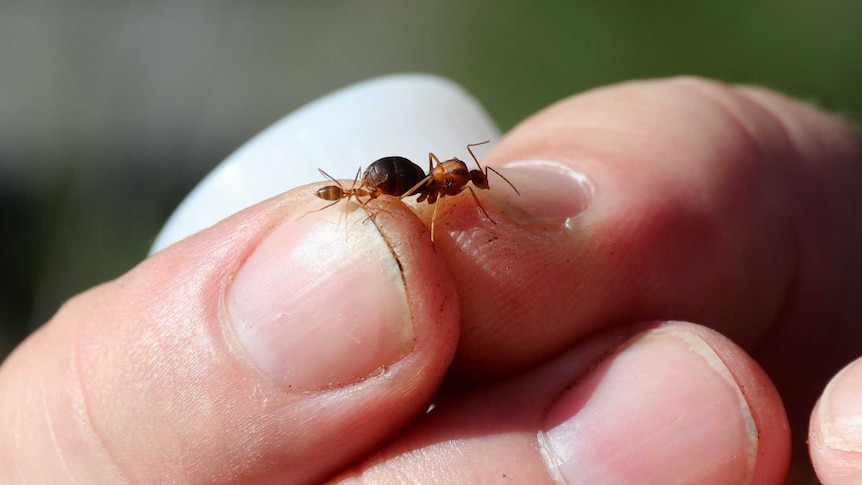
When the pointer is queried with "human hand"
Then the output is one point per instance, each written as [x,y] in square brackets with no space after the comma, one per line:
[280,346]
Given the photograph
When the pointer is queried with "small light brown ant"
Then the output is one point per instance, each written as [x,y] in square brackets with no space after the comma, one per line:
[450,178]
[392,175]
[334,193]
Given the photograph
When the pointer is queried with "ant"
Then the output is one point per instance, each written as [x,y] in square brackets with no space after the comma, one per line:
[386,176]
[335,193]
[450,178]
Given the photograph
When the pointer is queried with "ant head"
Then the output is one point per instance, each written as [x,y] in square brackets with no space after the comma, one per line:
[373,191]
[479,179]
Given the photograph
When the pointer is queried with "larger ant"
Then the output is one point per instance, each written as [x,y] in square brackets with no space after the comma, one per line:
[450,178]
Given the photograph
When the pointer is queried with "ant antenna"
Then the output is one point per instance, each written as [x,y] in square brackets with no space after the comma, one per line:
[485,170]
[335,193]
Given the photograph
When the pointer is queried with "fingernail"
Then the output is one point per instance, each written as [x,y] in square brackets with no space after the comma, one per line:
[550,192]
[321,305]
[840,410]
[665,409]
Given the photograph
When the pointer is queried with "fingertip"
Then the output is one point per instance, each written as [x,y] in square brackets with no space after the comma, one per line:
[153,362]
[815,132]
[659,403]
[430,291]
[835,430]
[767,409]
[677,393]
[682,197]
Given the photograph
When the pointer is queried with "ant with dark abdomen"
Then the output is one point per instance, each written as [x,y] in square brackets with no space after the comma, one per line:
[389,175]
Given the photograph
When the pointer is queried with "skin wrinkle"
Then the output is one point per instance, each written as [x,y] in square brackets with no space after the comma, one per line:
[82,405]
[749,93]
[52,433]
[392,251]
[472,238]
[756,94]
[719,100]
[18,445]
[787,135]
[722,101]
[793,289]
[781,323]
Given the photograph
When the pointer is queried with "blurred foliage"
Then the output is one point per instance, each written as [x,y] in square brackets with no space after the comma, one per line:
[110,112]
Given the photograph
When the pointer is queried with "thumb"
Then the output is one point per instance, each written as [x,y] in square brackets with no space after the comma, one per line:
[269,347]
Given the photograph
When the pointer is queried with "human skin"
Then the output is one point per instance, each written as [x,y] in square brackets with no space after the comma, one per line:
[282,346]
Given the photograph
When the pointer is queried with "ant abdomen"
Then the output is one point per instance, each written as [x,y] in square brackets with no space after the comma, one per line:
[392,176]
[331,193]
[387,176]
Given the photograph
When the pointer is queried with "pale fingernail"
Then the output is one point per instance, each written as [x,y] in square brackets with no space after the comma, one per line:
[665,409]
[840,410]
[550,192]
[318,305]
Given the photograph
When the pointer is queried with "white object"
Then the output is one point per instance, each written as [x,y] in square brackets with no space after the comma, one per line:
[407,115]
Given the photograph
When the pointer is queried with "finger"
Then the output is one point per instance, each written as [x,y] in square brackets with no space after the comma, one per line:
[677,403]
[683,198]
[276,346]
[835,439]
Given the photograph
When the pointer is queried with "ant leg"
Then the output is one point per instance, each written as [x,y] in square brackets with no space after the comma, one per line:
[346,215]
[327,206]
[502,177]
[351,193]
[358,171]
[470,149]
[433,157]
[330,177]
[486,169]
[434,221]
[370,213]
[416,187]
[480,205]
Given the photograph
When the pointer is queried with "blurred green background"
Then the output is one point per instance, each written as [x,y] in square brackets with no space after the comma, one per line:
[111,111]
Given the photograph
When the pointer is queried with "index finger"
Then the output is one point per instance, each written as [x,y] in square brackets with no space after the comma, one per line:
[680,199]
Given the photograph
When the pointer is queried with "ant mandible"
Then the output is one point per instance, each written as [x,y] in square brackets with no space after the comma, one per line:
[450,178]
